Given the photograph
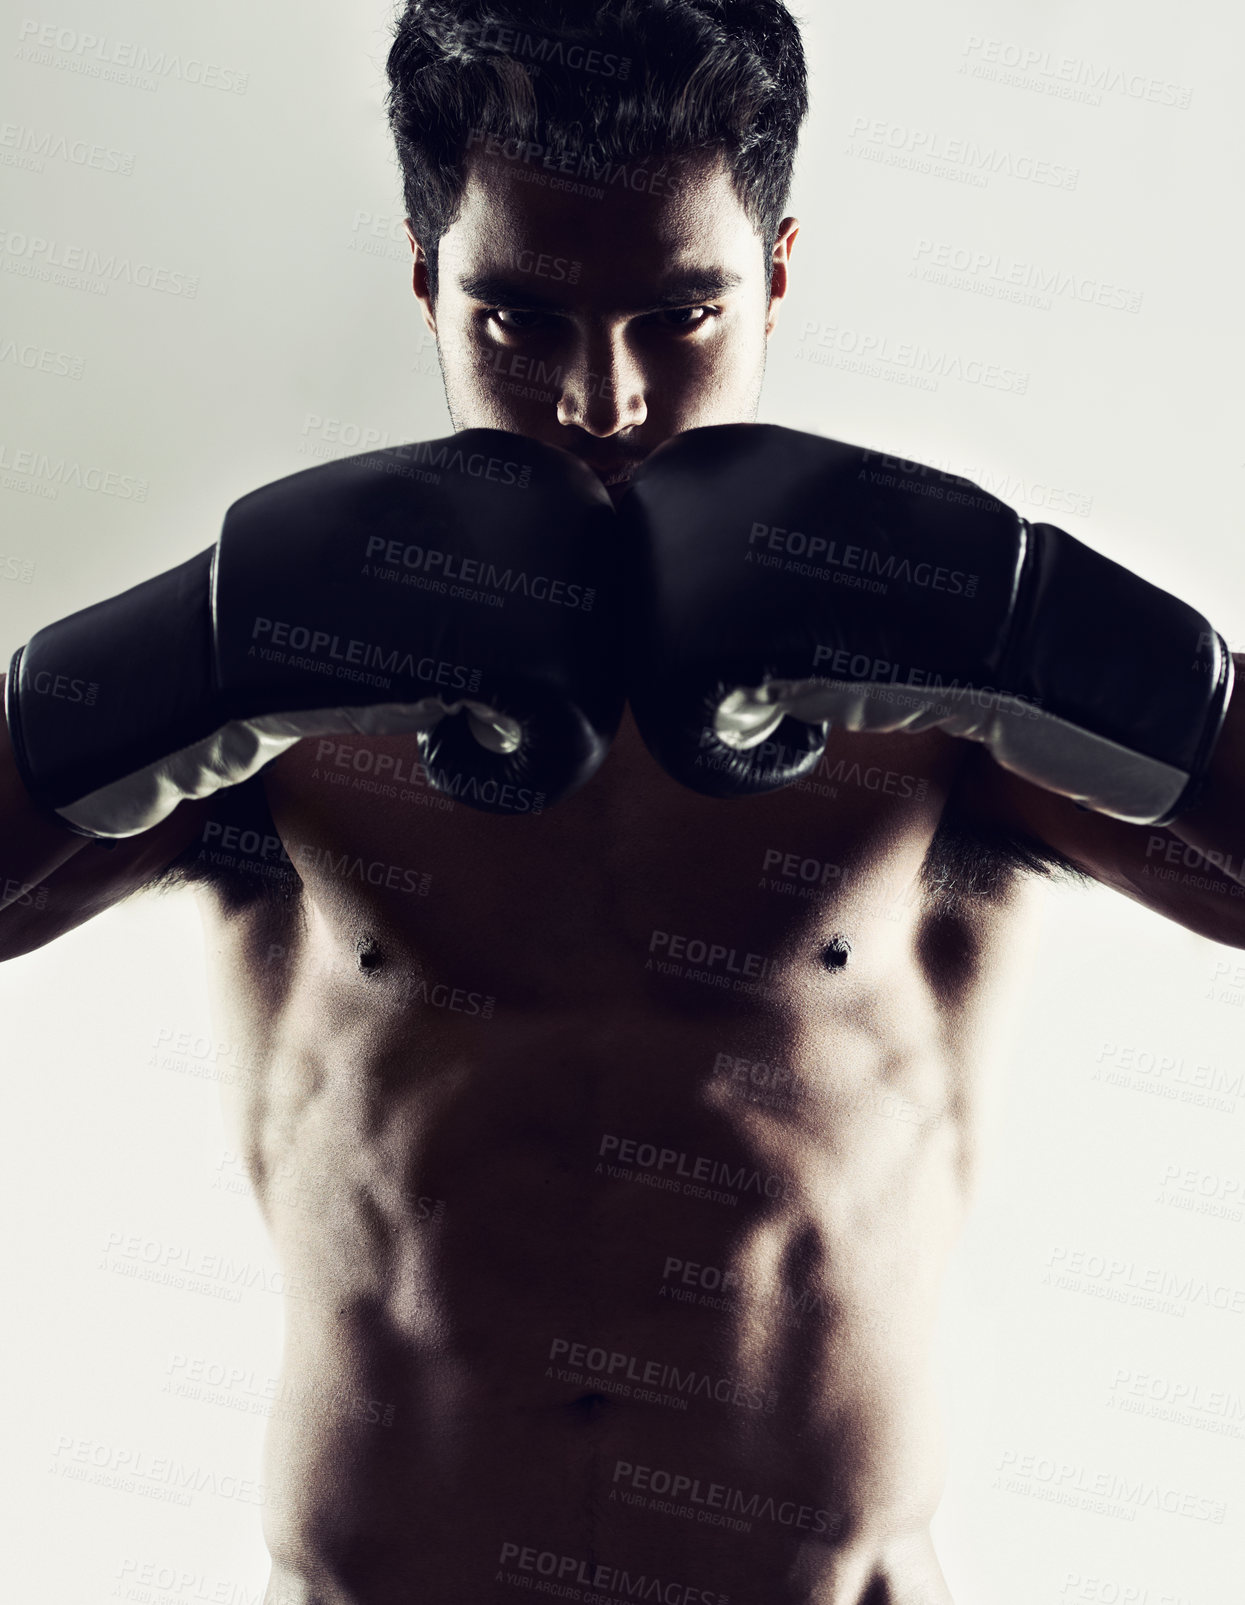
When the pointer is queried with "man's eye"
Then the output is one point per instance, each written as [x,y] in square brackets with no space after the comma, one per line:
[681,318]
[516,320]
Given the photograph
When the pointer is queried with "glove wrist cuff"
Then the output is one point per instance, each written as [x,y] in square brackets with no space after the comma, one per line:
[113,688]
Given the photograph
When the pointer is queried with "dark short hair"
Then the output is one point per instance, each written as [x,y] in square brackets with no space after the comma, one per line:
[617,80]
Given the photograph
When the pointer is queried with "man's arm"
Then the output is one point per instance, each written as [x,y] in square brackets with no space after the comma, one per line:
[1191,871]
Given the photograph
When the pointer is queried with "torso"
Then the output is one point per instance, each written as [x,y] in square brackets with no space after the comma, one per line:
[601,1244]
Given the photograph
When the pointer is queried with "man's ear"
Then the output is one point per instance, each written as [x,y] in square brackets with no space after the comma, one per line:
[419,277]
[780,276]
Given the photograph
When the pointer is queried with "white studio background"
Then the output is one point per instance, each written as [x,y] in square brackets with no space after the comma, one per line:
[249,175]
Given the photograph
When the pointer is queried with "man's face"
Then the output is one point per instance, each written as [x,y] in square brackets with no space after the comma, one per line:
[603,326]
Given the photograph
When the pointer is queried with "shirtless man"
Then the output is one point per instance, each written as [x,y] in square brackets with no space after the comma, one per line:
[613,1160]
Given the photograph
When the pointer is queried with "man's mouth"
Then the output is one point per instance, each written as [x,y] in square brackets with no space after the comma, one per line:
[614,476]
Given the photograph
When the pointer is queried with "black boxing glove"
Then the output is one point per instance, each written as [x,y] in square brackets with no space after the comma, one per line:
[463,589]
[780,583]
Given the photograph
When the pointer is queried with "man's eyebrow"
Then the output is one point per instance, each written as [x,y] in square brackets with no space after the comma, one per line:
[500,289]
[705,285]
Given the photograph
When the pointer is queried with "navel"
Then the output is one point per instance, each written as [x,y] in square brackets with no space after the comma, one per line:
[588,1406]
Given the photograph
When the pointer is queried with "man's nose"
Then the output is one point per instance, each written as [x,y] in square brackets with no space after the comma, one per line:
[602,389]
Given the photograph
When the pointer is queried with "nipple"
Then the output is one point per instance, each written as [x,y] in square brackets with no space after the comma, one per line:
[367,951]
[836,952]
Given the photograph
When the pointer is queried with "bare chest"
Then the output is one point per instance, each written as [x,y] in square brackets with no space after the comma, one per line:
[631,871]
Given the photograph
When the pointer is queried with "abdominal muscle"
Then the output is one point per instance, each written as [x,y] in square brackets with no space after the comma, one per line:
[646,1292]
